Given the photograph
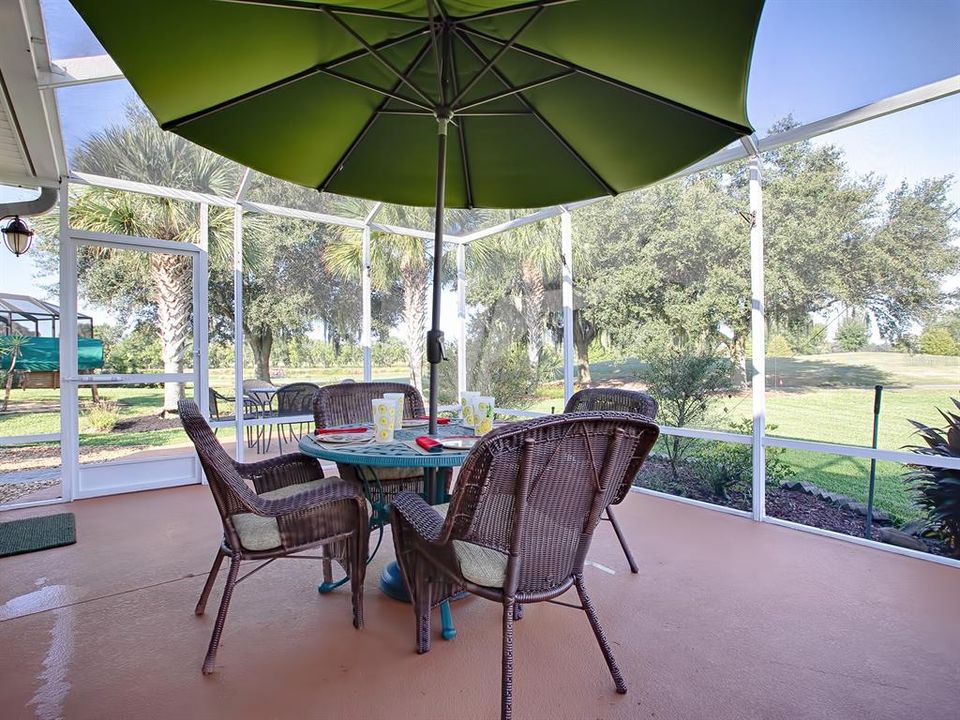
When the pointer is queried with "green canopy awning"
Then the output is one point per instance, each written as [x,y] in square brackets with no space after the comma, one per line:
[42,354]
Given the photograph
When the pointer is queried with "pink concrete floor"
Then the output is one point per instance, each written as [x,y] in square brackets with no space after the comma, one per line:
[727,619]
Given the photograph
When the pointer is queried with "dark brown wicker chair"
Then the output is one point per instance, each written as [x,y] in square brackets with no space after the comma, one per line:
[521,519]
[629,401]
[352,402]
[291,508]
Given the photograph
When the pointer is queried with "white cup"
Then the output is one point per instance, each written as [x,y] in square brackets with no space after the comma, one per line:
[398,399]
[384,412]
[482,407]
[466,407]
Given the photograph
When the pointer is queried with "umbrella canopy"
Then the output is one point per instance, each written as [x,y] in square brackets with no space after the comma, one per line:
[456,103]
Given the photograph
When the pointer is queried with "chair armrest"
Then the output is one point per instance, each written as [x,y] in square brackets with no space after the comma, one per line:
[328,493]
[420,516]
[275,473]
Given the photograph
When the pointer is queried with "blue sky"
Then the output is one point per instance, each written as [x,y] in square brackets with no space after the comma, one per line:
[813,58]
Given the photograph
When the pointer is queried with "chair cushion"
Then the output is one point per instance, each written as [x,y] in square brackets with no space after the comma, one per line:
[478,564]
[263,533]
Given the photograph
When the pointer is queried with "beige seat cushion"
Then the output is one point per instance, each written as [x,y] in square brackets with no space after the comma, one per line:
[263,533]
[478,564]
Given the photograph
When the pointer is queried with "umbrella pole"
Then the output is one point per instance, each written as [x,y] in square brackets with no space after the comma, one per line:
[434,336]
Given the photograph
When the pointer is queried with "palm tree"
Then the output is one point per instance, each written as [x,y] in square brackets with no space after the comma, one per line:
[531,256]
[396,261]
[152,285]
[11,348]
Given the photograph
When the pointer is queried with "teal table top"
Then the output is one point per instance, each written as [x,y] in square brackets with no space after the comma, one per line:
[392,454]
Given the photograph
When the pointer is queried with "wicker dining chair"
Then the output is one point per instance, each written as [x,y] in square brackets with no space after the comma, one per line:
[350,403]
[520,521]
[291,508]
[629,401]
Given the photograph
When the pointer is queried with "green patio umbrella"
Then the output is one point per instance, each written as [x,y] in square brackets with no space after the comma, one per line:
[445,103]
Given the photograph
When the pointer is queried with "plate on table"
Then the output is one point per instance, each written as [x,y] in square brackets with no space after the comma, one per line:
[343,438]
[415,422]
[459,443]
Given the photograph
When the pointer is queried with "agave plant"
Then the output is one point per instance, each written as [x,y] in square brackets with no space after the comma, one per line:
[938,489]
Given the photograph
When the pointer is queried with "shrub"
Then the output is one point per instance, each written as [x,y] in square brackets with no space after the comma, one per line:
[938,489]
[724,466]
[100,417]
[852,335]
[779,346]
[684,380]
[937,341]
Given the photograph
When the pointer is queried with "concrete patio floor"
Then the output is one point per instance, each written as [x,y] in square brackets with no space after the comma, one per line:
[727,619]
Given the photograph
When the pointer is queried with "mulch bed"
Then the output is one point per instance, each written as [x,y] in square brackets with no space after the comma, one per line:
[792,505]
[147,423]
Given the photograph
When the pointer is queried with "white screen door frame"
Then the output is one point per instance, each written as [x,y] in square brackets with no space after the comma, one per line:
[91,480]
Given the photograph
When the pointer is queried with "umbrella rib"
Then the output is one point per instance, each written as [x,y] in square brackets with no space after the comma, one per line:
[610,190]
[727,124]
[290,79]
[512,10]
[496,57]
[390,94]
[317,7]
[437,56]
[516,89]
[461,134]
[380,58]
[322,187]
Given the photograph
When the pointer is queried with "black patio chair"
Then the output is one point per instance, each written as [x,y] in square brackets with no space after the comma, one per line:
[293,400]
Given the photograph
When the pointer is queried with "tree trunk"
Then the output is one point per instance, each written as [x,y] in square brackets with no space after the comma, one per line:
[414,283]
[8,385]
[533,292]
[260,339]
[583,334]
[171,276]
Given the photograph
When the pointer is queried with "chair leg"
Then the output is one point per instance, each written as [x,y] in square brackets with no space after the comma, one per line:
[357,564]
[518,611]
[422,598]
[506,694]
[601,638]
[327,565]
[221,615]
[208,585]
[623,541]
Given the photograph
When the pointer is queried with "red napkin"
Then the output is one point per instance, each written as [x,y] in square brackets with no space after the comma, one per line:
[333,431]
[440,421]
[429,444]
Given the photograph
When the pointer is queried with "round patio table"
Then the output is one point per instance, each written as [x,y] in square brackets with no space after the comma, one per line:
[400,453]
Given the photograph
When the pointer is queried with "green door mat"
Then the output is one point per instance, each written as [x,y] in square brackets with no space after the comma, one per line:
[38,533]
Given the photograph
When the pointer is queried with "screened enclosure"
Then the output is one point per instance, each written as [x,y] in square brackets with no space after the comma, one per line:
[761,295]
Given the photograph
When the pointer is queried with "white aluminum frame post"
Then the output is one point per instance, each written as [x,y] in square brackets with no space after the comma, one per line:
[69,398]
[759,344]
[461,320]
[566,251]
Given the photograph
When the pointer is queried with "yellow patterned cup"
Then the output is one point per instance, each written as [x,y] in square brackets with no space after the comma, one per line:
[466,407]
[384,412]
[398,399]
[482,411]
